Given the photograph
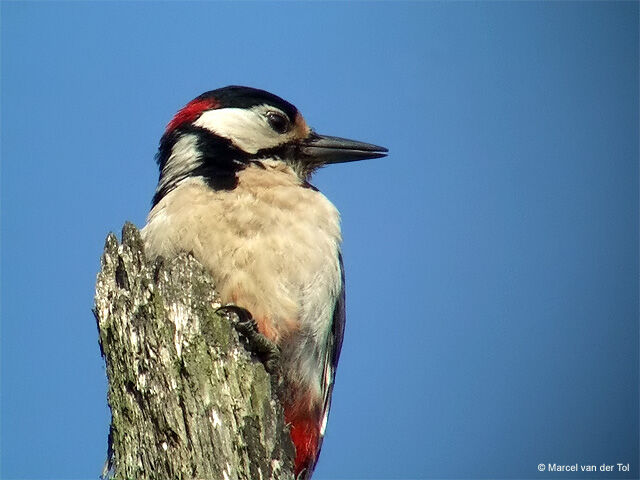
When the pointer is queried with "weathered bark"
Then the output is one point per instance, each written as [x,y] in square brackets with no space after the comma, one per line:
[187,400]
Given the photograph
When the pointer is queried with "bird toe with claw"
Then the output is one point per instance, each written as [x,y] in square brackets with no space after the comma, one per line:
[266,350]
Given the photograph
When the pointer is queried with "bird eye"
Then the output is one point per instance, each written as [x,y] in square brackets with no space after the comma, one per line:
[278,122]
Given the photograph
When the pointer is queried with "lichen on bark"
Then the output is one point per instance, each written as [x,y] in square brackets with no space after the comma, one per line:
[187,400]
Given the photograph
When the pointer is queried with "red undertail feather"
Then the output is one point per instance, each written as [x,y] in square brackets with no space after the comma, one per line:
[305,433]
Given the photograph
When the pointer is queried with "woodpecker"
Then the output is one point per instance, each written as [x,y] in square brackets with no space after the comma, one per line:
[235,165]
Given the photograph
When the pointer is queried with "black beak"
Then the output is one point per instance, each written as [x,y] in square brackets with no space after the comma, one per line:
[324,150]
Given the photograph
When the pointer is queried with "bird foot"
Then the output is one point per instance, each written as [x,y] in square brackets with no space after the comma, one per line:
[254,341]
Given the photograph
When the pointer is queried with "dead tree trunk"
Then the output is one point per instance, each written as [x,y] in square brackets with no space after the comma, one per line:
[187,400]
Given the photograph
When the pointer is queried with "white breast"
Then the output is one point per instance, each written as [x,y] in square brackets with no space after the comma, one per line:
[270,244]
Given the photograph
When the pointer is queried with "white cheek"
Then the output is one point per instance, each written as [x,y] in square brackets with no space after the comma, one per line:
[184,158]
[245,128]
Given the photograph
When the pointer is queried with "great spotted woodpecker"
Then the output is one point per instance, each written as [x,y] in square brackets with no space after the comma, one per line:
[234,190]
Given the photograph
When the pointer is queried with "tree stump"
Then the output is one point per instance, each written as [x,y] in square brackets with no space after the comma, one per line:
[187,400]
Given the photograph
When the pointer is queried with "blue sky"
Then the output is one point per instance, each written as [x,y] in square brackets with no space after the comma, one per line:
[492,258]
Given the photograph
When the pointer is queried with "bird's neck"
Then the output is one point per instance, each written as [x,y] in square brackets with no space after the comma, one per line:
[194,153]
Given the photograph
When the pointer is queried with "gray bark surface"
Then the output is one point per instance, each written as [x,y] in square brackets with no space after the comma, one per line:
[187,400]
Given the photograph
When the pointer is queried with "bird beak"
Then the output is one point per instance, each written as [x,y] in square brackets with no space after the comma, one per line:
[325,150]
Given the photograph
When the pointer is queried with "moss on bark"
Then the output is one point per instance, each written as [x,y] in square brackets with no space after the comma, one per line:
[187,400]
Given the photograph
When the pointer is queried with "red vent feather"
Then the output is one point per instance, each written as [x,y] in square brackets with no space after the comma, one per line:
[305,433]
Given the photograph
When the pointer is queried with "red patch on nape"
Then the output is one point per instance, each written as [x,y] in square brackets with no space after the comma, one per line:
[190,112]
[305,434]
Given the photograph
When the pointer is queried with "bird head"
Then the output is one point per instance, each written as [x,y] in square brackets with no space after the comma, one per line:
[223,131]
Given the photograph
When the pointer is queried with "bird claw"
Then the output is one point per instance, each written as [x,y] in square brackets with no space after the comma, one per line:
[244,323]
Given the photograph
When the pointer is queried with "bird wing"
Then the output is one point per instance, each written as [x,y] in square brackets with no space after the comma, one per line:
[334,345]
